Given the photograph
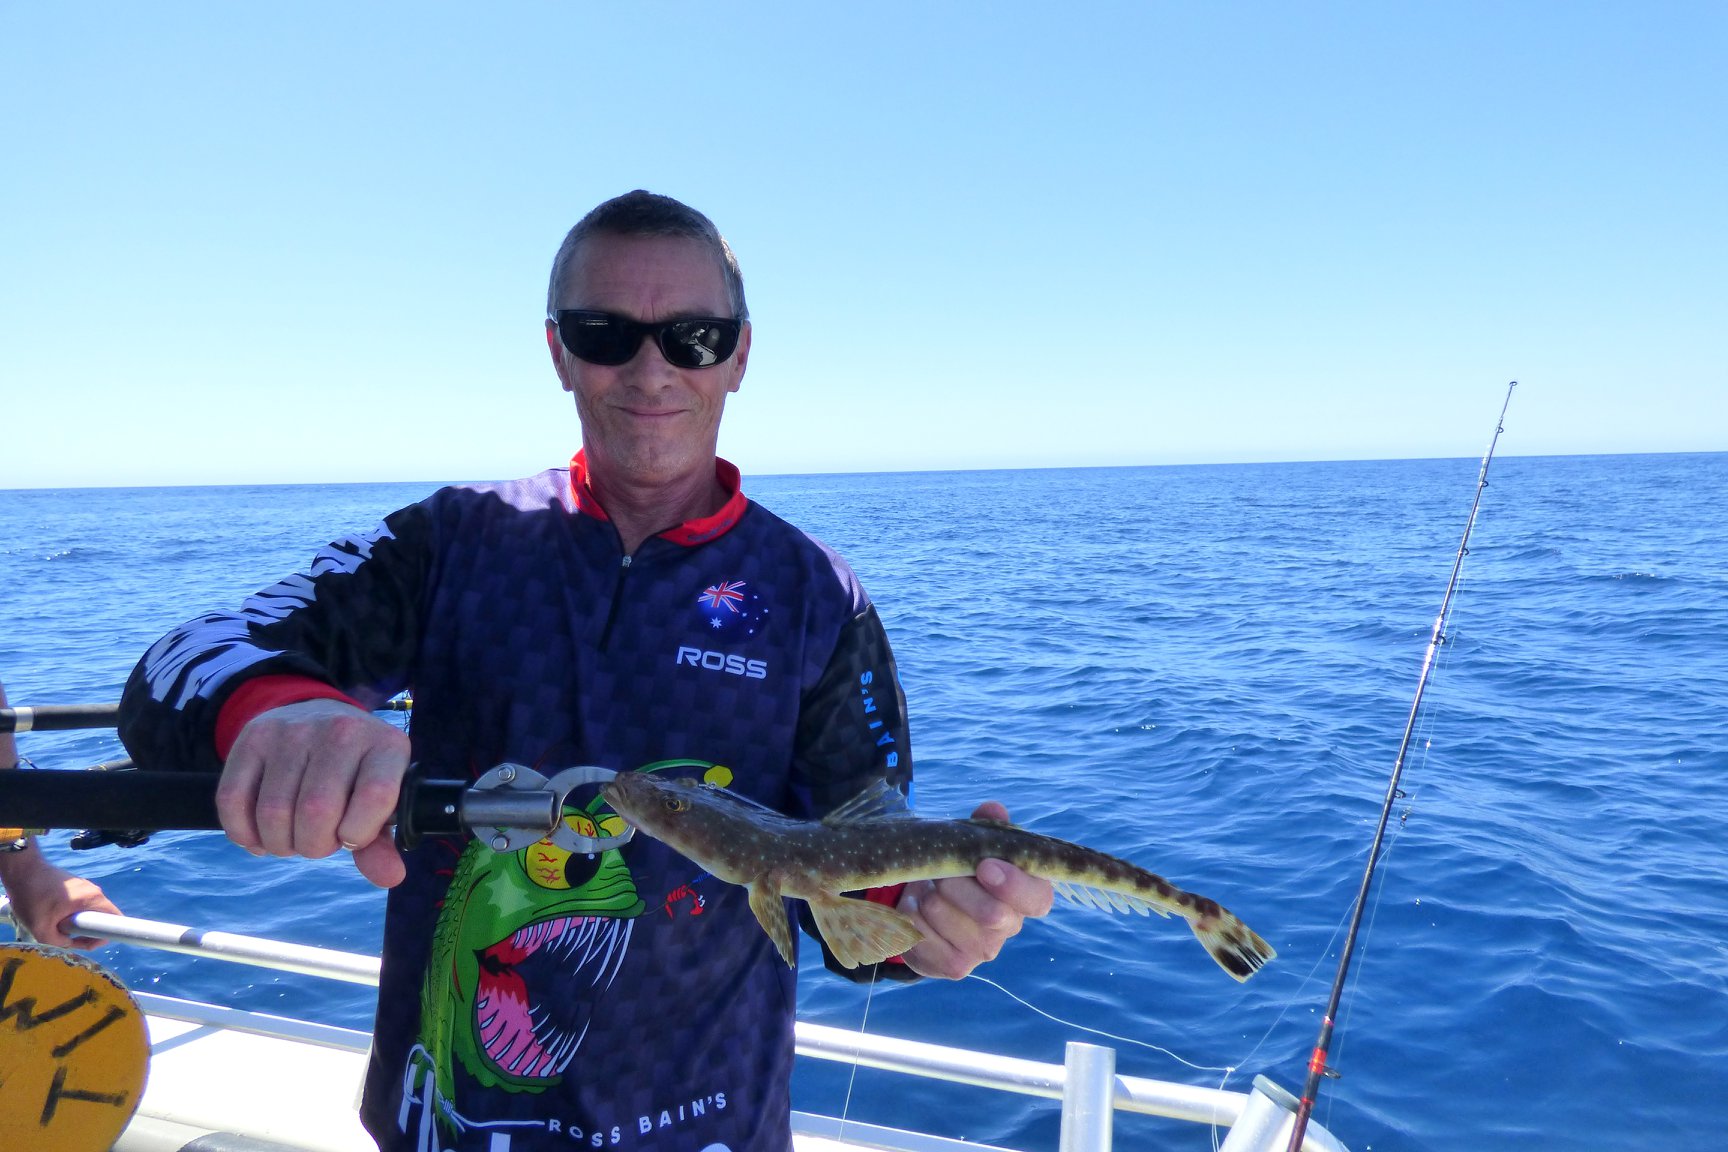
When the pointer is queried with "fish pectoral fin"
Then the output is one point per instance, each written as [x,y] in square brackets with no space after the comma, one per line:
[860,932]
[770,912]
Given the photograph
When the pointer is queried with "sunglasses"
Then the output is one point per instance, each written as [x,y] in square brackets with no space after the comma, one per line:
[602,338]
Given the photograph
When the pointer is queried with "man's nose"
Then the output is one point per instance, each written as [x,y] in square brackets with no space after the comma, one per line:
[649,368]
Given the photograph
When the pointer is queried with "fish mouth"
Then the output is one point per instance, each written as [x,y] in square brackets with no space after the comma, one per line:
[531,1042]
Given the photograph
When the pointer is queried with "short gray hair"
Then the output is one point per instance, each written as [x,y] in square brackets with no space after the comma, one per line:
[642,213]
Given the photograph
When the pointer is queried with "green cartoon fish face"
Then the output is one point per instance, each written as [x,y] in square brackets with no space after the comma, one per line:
[505,917]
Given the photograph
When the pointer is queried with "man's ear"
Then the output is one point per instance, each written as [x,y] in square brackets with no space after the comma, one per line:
[742,356]
[556,347]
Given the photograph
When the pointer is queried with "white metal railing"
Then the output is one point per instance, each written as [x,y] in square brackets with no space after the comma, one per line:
[351,967]
[1087,1083]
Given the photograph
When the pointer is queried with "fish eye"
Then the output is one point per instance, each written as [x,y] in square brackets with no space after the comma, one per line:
[676,804]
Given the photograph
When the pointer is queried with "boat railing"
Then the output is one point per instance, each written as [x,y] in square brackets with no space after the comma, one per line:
[1086,1082]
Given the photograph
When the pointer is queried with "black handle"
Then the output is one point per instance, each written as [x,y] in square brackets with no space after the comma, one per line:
[430,808]
[147,801]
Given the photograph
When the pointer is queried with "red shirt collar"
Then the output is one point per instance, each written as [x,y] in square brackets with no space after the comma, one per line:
[689,533]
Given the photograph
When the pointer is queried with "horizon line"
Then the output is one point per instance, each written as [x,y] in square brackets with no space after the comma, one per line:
[879,471]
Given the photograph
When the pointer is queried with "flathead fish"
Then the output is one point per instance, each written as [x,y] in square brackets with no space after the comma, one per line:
[874,841]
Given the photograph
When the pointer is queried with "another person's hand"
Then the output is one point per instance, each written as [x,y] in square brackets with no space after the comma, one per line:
[311,778]
[966,919]
[44,895]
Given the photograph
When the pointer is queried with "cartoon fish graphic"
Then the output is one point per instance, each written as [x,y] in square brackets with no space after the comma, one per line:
[504,914]
[873,841]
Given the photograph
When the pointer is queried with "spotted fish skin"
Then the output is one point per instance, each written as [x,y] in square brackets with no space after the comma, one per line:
[872,842]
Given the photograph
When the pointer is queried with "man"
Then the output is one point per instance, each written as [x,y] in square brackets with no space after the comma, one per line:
[635,612]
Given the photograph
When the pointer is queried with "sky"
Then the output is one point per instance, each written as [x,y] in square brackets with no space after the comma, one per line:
[309,242]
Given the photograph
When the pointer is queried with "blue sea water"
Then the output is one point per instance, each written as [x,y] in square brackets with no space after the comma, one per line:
[1206,670]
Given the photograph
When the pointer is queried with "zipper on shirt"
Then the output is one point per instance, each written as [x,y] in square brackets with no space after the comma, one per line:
[617,597]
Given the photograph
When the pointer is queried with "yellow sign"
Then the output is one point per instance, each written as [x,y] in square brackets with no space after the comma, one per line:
[73,1051]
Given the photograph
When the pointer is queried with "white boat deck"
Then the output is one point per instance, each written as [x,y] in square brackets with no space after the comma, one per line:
[212,1070]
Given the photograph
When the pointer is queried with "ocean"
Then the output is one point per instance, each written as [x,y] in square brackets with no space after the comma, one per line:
[1207,670]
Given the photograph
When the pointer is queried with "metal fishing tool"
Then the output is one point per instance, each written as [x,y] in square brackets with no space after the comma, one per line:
[1317,1062]
[509,807]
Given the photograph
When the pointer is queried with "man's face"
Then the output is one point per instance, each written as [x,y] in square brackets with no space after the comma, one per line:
[646,422]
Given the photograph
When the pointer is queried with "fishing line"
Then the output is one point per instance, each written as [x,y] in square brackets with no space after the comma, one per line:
[1225,1072]
[1424,740]
[1289,1002]
[1099,1031]
[1322,1045]
[1367,935]
[1228,1070]
[852,1076]
[1410,797]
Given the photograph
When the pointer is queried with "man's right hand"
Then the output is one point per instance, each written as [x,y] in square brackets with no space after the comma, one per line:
[310,778]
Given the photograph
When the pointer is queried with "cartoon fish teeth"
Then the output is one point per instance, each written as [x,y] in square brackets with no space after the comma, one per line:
[873,841]
[502,911]
[524,1041]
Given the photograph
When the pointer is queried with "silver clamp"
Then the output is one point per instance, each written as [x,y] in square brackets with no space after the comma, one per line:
[512,806]
[563,835]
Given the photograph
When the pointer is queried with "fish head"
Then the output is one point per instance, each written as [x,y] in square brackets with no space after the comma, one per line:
[655,805]
[727,834]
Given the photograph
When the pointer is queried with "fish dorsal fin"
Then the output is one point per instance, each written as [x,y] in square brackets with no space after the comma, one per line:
[878,801]
[732,797]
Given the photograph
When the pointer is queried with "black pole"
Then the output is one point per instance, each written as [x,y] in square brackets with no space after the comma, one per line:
[145,801]
[162,801]
[1317,1061]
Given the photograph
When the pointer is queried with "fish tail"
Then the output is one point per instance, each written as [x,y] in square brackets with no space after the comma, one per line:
[1115,885]
[1237,947]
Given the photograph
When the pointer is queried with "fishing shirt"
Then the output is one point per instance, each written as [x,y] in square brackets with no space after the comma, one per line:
[539,999]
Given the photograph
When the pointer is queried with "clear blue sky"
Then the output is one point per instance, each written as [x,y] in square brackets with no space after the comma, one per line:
[309,241]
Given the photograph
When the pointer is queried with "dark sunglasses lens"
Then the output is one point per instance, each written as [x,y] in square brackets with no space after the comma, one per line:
[599,339]
[698,343]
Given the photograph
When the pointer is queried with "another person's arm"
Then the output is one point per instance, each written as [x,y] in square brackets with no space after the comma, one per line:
[43,895]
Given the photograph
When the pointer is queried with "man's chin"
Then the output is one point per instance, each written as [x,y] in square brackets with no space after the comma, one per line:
[650,465]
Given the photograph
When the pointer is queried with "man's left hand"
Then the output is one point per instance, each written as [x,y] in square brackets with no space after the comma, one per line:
[966,919]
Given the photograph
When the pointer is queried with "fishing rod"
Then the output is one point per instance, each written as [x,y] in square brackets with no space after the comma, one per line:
[1322,1046]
